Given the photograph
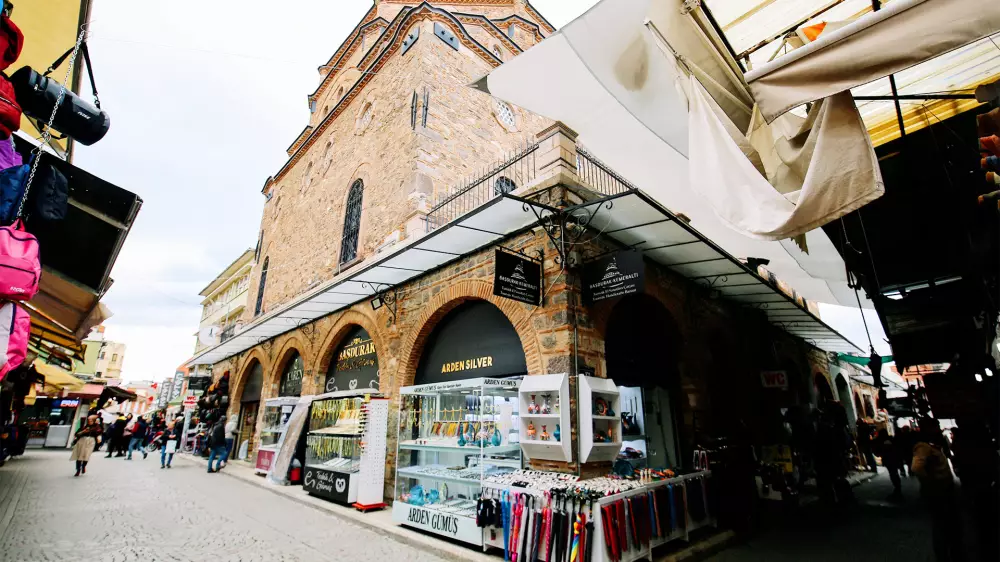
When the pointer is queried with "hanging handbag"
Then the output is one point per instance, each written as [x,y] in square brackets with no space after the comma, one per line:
[12,183]
[20,268]
[10,110]
[15,329]
[76,118]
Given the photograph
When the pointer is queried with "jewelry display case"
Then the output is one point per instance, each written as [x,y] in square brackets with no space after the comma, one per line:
[452,436]
[345,448]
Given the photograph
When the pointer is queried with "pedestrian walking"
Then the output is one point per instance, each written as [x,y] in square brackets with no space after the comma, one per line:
[865,433]
[171,442]
[217,444]
[937,487]
[231,429]
[84,443]
[115,435]
[138,439]
[887,449]
[904,447]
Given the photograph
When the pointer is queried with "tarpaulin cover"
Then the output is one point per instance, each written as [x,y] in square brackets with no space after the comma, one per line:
[820,168]
[903,34]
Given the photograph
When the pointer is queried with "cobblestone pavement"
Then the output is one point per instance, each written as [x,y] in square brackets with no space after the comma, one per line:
[873,530]
[132,510]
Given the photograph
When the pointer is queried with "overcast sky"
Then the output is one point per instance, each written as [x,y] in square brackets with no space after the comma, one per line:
[204,97]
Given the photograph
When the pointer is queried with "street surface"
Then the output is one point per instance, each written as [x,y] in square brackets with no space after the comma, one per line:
[122,511]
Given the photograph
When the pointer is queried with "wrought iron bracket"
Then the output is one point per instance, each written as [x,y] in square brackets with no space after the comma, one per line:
[387,294]
[565,228]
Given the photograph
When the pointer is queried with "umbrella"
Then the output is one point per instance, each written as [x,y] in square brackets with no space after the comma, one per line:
[589,533]
[505,516]
[574,549]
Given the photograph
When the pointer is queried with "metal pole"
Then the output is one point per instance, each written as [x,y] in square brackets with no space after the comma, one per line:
[876,6]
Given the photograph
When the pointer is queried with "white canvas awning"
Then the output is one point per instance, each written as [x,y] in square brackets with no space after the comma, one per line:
[903,34]
[605,76]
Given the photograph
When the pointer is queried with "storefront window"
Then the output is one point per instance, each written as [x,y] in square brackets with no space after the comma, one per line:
[354,363]
[291,378]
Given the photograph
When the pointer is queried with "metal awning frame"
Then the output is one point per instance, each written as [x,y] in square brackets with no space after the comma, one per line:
[508,215]
[694,258]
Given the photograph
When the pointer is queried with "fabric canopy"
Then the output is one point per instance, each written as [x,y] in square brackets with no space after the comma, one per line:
[605,76]
[820,168]
[57,379]
[903,34]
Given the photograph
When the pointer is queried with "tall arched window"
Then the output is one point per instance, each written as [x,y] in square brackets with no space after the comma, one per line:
[260,289]
[352,222]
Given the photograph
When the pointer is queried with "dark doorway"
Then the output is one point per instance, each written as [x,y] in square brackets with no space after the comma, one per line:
[823,390]
[641,343]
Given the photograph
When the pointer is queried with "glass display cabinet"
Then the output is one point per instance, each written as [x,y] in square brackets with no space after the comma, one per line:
[275,423]
[451,436]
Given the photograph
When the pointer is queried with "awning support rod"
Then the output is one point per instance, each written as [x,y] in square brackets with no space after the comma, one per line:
[917,97]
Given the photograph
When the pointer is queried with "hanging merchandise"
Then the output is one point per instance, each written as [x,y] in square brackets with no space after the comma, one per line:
[42,97]
[20,268]
[13,180]
[10,110]
[9,156]
[15,327]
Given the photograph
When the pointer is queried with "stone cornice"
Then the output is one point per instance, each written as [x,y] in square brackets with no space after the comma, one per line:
[346,49]
[541,19]
[527,25]
[490,27]
[299,139]
[393,38]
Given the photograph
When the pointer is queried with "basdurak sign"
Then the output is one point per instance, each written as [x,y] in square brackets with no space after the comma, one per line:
[517,278]
[355,363]
[613,276]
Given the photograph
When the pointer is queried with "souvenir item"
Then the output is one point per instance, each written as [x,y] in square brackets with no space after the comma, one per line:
[556,433]
[545,434]
[497,439]
[532,406]
[531,430]
[547,405]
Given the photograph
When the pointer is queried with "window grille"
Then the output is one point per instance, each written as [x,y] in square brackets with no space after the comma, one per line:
[413,110]
[505,113]
[504,185]
[352,222]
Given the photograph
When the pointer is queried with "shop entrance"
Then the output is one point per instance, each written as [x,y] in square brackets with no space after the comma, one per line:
[249,404]
[823,390]
[641,344]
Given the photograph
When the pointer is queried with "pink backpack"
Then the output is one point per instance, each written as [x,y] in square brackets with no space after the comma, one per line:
[15,327]
[20,269]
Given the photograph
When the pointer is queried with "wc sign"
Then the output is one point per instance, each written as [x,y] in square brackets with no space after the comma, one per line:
[774,379]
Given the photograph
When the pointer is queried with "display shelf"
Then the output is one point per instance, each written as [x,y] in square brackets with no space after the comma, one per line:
[433,420]
[554,391]
[343,463]
[593,389]
[277,411]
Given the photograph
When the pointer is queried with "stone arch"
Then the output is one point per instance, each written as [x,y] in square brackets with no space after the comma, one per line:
[446,301]
[292,344]
[242,371]
[344,323]
[823,389]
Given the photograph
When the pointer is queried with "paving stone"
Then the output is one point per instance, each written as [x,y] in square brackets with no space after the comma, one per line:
[124,511]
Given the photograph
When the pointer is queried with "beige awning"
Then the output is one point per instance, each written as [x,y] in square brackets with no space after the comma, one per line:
[64,306]
[903,34]
[57,379]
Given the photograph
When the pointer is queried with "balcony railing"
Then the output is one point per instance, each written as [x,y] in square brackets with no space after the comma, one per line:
[598,175]
[517,170]
[514,172]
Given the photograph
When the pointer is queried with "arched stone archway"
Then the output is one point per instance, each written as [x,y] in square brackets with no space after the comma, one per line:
[823,390]
[244,365]
[444,302]
[844,395]
[290,347]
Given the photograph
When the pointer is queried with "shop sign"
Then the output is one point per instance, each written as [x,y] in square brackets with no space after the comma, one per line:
[355,363]
[780,455]
[475,340]
[177,387]
[617,275]
[164,393]
[291,379]
[517,278]
[327,484]
[429,519]
[199,383]
[774,379]
[190,401]
[69,403]
[265,459]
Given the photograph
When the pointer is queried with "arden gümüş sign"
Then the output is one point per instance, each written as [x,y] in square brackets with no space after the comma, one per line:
[613,276]
[517,278]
